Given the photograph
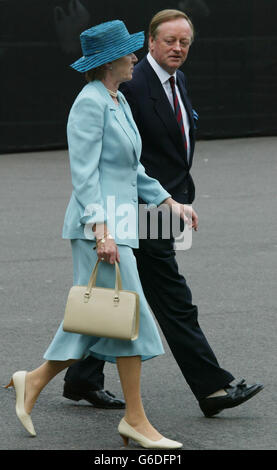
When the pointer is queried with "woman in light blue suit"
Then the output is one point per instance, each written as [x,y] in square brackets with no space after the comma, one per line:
[107,178]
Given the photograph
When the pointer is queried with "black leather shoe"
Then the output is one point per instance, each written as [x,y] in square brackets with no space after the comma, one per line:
[97,398]
[236,394]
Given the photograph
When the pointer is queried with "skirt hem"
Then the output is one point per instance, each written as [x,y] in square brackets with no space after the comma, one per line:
[101,357]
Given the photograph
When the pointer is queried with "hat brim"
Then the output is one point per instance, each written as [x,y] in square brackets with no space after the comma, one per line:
[134,43]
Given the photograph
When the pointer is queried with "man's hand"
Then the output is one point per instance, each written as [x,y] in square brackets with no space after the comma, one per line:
[185,211]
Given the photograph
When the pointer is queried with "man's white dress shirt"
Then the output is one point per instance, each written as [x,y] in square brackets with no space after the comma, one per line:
[164,77]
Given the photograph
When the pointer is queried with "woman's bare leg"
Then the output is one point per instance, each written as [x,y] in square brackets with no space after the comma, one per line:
[38,378]
[129,369]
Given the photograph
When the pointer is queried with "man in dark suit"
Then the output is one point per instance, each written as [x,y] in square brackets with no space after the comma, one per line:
[164,116]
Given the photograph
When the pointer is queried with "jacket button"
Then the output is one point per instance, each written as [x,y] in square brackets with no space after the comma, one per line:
[134,199]
[134,183]
[134,167]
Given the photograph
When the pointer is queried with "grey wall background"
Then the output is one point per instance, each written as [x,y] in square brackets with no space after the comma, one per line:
[231,70]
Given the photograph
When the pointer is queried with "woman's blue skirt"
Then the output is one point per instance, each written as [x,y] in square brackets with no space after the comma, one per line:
[76,346]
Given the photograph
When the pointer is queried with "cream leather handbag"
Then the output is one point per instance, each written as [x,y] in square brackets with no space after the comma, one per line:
[101,311]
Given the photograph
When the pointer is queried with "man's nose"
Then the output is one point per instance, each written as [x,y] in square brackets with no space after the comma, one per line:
[177,45]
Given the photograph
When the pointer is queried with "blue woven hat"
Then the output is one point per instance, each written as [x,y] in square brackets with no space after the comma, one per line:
[106,42]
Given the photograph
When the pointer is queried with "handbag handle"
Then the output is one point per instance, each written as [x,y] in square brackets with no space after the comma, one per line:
[92,282]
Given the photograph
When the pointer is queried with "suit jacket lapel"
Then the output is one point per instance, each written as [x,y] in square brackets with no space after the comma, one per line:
[185,99]
[133,133]
[135,139]
[163,108]
[188,107]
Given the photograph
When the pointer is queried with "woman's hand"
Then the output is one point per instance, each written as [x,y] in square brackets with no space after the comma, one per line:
[107,249]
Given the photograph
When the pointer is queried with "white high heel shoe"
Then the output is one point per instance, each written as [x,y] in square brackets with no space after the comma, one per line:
[127,432]
[18,382]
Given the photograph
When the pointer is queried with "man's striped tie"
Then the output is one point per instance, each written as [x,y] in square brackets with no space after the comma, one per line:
[177,109]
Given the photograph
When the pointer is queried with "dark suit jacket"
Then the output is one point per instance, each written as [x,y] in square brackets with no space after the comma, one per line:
[163,151]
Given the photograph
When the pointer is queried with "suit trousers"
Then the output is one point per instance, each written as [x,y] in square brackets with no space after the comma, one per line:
[87,374]
[170,300]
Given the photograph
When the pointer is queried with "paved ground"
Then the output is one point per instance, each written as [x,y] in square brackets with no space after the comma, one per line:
[231,269]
